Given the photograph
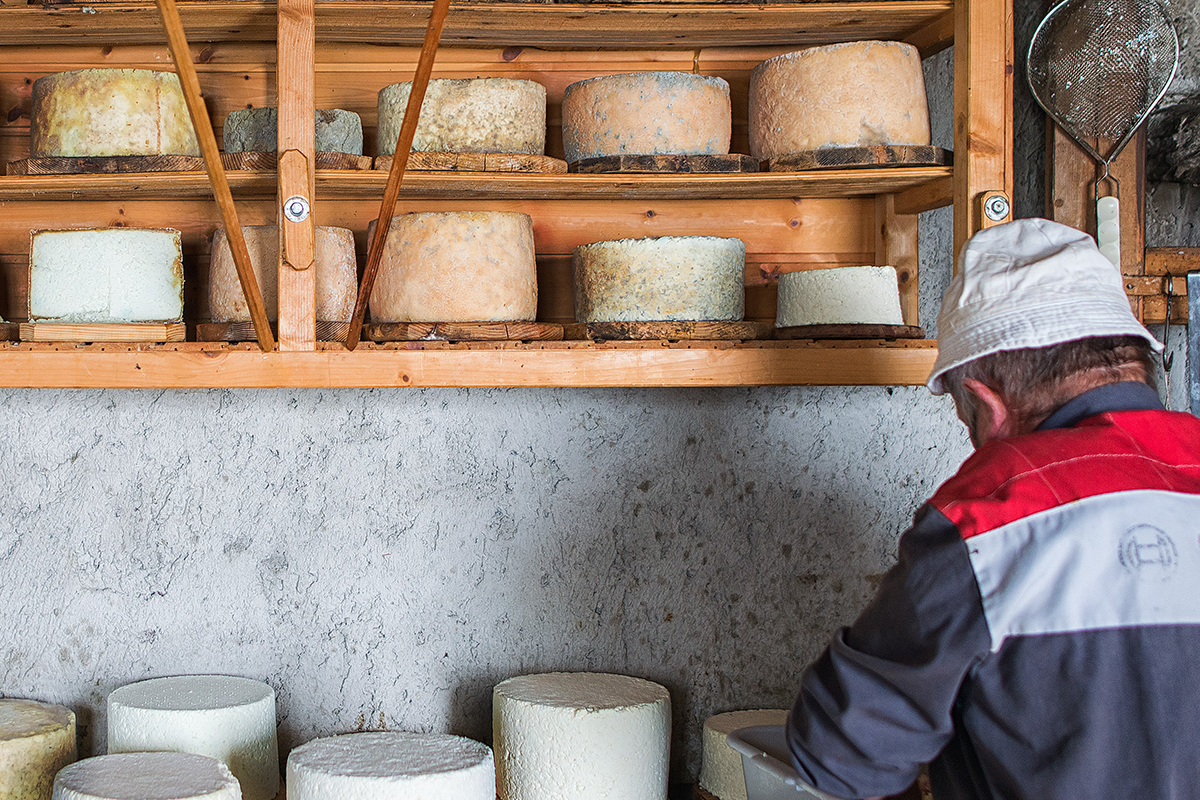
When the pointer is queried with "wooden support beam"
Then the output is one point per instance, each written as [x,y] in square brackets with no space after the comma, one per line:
[896,246]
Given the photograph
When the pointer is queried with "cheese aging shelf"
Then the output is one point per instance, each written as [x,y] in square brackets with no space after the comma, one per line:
[789,221]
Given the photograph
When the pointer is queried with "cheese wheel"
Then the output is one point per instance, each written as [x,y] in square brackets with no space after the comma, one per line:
[669,278]
[36,741]
[106,275]
[226,718]
[391,766]
[457,266]
[561,735]
[256,130]
[839,296]
[110,112]
[646,113]
[146,776]
[856,94]
[333,260]
[721,766]
[476,115]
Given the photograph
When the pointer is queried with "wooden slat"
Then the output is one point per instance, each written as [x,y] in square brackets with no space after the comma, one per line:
[1172,260]
[476,162]
[925,197]
[103,332]
[934,37]
[896,246]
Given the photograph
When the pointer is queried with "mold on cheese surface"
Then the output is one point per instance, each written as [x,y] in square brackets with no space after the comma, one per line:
[256,130]
[36,741]
[855,94]
[839,296]
[474,115]
[665,279]
[646,113]
[146,776]
[110,112]
[106,275]
[580,734]
[227,718]
[456,266]
[391,766]
[333,260]
[721,766]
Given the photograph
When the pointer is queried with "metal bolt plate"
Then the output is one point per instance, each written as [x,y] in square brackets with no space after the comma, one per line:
[295,209]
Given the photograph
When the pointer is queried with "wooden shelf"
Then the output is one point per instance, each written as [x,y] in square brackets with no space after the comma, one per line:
[572,364]
[573,25]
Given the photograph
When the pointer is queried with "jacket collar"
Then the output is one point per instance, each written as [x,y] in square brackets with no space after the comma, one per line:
[1124,396]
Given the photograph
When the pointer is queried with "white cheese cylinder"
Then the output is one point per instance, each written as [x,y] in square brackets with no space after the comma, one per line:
[106,275]
[666,279]
[565,735]
[256,130]
[333,260]
[476,115]
[839,296]
[646,113]
[146,776]
[855,94]
[721,766]
[36,741]
[110,112]
[456,266]
[391,766]
[226,718]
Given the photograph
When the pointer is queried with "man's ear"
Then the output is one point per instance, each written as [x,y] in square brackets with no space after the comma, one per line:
[994,419]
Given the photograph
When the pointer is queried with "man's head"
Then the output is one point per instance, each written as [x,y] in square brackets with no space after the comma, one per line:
[1034,317]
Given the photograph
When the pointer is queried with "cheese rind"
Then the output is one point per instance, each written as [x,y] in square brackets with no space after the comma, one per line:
[854,94]
[581,735]
[333,260]
[456,266]
[147,776]
[110,112]
[476,115]
[256,130]
[646,113]
[721,766]
[106,275]
[36,741]
[391,766]
[669,278]
[226,718]
[839,296]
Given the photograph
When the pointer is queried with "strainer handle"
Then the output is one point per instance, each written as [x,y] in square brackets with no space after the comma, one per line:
[1108,228]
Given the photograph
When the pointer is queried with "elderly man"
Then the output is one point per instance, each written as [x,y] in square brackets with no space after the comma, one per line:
[1040,636]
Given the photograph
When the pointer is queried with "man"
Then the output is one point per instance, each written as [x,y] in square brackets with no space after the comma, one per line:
[1040,636]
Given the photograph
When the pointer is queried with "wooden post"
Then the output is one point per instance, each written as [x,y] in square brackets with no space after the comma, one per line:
[896,246]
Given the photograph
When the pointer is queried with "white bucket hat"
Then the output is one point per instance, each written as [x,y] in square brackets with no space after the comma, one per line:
[1029,283]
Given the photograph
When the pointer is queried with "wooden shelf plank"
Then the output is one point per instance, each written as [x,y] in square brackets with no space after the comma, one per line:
[573,364]
[686,25]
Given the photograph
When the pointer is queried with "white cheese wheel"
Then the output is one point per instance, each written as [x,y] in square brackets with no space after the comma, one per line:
[456,266]
[839,296]
[106,275]
[146,776]
[256,130]
[226,718]
[646,113]
[36,741]
[721,766]
[476,115]
[333,259]
[669,278]
[110,112]
[580,734]
[855,94]
[391,766]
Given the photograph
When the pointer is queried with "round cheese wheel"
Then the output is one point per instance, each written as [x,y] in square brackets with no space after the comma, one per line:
[256,130]
[146,776]
[581,734]
[856,94]
[839,296]
[721,766]
[36,741]
[646,113]
[391,766]
[333,259]
[226,718]
[669,278]
[110,112]
[457,266]
[476,115]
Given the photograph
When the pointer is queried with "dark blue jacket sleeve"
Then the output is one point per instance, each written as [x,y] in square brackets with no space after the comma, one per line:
[878,702]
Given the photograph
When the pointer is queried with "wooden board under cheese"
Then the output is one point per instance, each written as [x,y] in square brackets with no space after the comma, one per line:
[476,115]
